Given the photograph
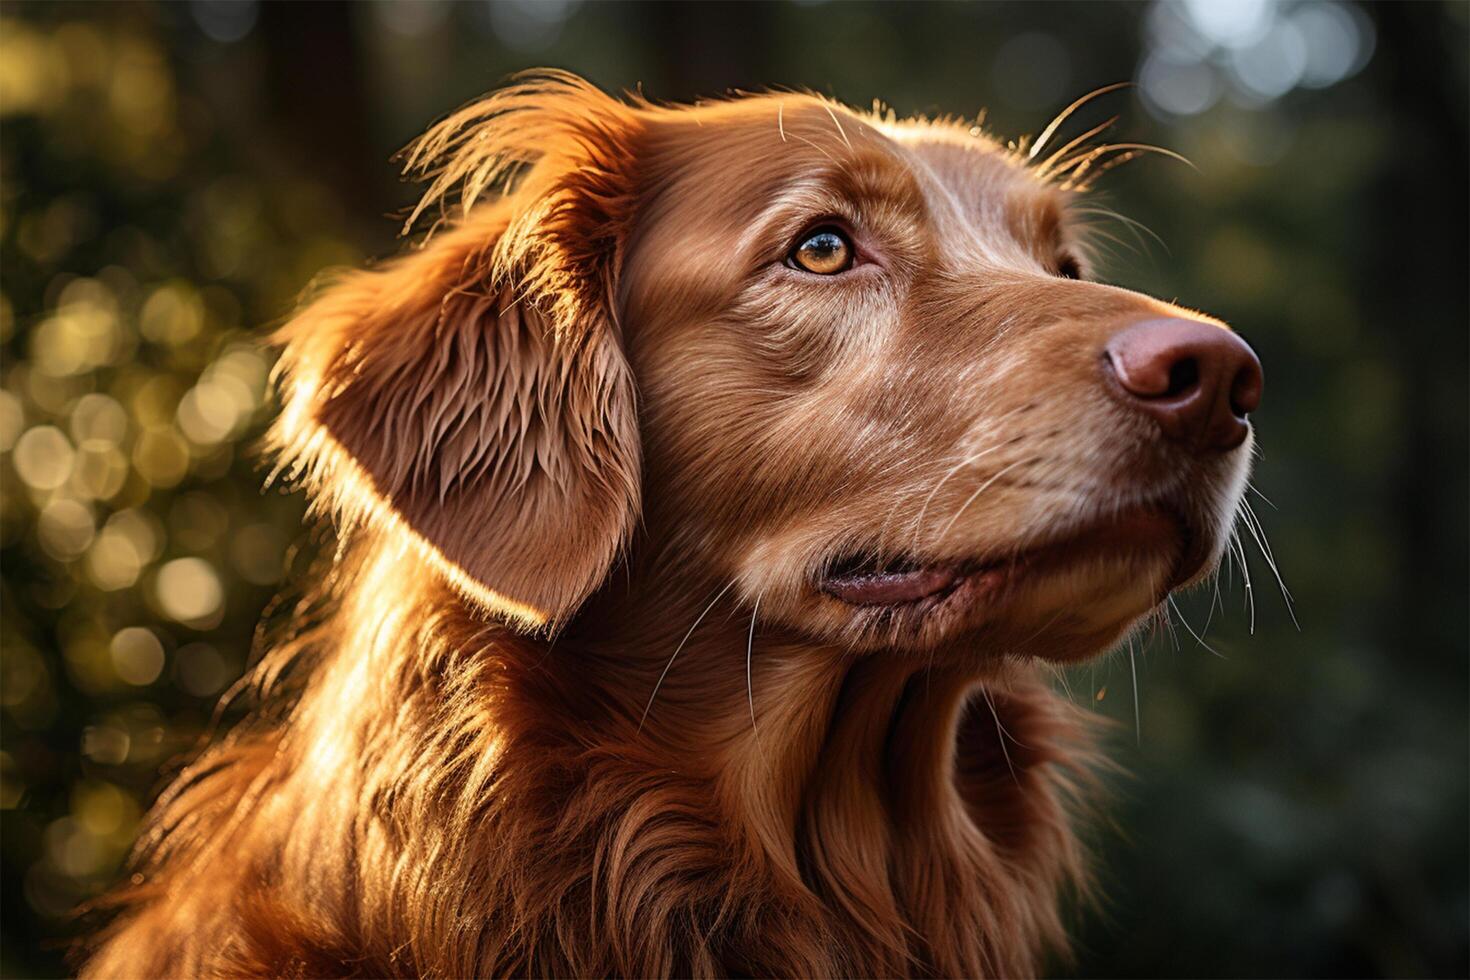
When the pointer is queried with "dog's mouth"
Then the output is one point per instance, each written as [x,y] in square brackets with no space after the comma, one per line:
[1146,533]
[866,580]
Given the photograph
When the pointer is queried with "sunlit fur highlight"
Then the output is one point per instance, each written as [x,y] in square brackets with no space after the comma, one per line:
[591,409]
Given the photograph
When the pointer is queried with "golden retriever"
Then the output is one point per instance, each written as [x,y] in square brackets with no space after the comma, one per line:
[712,485]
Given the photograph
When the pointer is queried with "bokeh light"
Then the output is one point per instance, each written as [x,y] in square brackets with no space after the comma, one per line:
[43,457]
[1255,51]
[137,266]
[189,591]
[137,656]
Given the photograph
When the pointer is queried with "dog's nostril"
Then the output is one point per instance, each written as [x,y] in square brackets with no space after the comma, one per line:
[1245,391]
[1197,380]
[1183,377]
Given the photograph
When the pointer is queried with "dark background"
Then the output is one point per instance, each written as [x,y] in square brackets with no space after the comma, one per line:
[174,175]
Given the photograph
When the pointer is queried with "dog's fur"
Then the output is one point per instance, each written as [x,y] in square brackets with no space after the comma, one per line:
[571,703]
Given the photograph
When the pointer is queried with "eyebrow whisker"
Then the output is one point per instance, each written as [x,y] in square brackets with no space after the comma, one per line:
[1056,123]
[1044,170]
[836,122]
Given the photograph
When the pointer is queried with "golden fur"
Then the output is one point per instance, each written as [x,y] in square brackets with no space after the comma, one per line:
[569,703]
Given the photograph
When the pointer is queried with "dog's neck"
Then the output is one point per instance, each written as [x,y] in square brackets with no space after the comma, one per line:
[918,800]
[780,806]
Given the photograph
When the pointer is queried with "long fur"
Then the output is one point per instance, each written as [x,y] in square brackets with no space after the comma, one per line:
[473,755]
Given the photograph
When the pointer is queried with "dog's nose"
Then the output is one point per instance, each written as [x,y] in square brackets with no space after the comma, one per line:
[1198,381]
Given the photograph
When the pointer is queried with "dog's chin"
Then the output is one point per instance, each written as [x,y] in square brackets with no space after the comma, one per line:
[1065,599]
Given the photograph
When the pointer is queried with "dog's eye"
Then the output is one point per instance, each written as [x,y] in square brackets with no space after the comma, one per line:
[1068,267]
[825,252]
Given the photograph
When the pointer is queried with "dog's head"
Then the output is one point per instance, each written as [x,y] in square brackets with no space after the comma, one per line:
[852,365]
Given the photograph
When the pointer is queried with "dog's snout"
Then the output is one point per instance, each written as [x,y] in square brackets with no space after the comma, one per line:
[1198,381]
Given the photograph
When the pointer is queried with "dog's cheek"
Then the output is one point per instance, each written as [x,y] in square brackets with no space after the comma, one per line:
[811,329]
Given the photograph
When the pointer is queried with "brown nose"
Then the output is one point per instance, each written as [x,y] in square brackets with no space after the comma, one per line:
[1196,380]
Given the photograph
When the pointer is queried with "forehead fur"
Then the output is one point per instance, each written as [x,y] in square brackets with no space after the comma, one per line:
[748,146]
[548,119]
[699,174]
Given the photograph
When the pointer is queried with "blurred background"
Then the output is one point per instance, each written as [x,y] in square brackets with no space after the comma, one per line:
[175,173]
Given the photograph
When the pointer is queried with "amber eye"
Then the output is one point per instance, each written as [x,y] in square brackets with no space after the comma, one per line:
[825,251]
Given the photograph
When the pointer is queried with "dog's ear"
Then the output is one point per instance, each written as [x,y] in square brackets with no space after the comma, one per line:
[473,394]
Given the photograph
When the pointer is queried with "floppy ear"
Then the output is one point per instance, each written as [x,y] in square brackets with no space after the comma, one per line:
[473,394]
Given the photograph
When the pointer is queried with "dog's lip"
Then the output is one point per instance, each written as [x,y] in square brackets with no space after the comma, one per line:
[892,588]
[1149,531]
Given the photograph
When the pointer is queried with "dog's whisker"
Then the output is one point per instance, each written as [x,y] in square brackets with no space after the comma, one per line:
[1061,675]
[1227,566]
[1138,228]
[1215,602]
[838,123]
[967,461]
[659,683]
[1137,711]
[813,145]
[1168,622]
[903,463]
[1238,549]
[1252,488]
[1001,735]
[749,683]
[1258,532]
[1096,235]
[1044,168]
[1197,637]
[1121,153]
[979,490]
[1061,117]
[923,510]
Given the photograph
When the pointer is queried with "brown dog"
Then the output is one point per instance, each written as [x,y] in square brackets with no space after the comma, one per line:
[712,485]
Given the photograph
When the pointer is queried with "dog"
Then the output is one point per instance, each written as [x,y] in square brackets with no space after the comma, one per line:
[715,487]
